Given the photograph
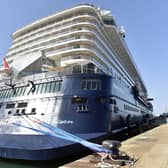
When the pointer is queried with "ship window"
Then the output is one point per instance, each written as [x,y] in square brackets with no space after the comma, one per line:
[9,112]
[44,88]
[40,88]
[23,91]
[5,93]
[129,108]
[52,87]
[17,111]
[33,110]
[94,85]
[101,100]
[112,101]
[20,91]
[37,88]
[79,100]
[23,111]
[58,86]
[48,87]
[109,22]
[90,84]
[1,93]
[16,92]
[10,93]
[20,105]
[77,46]
[77,69]
[83,85]
[11,105]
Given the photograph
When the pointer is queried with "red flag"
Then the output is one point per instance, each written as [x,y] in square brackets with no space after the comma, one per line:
[5,64]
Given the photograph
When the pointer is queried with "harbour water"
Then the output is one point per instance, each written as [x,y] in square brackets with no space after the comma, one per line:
[6,163]
[11,163]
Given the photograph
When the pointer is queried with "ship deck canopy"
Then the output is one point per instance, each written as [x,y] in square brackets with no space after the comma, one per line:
[22,62]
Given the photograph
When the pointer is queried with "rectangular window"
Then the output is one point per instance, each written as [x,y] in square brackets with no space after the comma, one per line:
[48,87]
[94,85]
[11,105]
[21,91]
[37,88]
[90,84]
[11,92]
[24,90]
[33,111]
[52,87]
[2,93]
[44,88]
[58,85]
[20,105]
[5,93]
[16,92]
[40,88]
[79,100]
[83,85]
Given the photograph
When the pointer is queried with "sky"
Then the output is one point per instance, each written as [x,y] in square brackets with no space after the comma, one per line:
[145,22]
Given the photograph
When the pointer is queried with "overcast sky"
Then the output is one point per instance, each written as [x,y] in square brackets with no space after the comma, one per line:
[146,26]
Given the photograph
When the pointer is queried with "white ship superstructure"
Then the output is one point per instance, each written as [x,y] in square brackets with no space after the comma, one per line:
[75,36]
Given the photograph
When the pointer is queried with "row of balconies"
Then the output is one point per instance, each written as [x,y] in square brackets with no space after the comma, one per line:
[107,52]
[64,32]
[56,24]
[52,28]
[95,51]
[44,42]
[70,40]
[60,33]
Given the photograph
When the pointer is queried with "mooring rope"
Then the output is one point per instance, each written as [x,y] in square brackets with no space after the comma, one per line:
[59,133]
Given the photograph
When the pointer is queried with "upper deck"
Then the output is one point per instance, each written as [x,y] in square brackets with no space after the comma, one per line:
[80,35]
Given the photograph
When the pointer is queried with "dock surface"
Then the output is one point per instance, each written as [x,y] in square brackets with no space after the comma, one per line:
[150,148]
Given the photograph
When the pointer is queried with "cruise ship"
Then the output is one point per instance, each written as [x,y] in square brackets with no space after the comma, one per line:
[72,70]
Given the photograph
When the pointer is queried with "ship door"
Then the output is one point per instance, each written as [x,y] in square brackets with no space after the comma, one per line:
[114,113]
[112,110]
[112,105]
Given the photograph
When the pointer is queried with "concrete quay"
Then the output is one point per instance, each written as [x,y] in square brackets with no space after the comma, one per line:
[150,148]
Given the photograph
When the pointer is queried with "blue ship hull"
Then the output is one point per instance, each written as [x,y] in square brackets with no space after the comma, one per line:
[92,105]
